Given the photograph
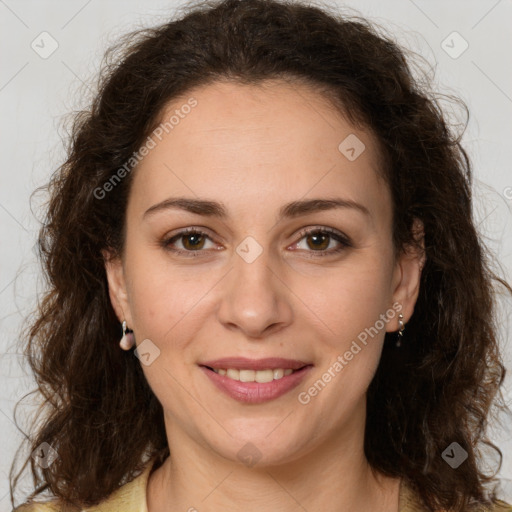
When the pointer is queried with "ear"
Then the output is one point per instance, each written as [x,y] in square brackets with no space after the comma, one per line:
[117,287]
[407,275]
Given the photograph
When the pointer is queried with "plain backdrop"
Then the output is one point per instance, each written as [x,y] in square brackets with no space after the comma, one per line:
[50,50]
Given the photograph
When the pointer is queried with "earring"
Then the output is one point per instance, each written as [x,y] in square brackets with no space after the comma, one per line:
[128,339]
[401,329]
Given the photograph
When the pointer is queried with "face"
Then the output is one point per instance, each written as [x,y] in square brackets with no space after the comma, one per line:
[282,273]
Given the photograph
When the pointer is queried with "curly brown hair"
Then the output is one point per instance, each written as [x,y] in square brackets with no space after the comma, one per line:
[435,390]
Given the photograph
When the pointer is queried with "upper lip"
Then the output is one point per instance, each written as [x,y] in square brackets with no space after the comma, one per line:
[255,364]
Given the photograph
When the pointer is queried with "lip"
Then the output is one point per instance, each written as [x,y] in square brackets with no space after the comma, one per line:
[256,392]
[243,363]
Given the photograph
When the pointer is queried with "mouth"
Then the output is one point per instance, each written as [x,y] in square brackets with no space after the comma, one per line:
[255,382]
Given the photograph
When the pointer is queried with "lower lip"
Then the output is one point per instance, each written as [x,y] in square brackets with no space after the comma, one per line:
[256,392]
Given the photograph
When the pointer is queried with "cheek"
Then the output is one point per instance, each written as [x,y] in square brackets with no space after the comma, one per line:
[348,299]
[162,296]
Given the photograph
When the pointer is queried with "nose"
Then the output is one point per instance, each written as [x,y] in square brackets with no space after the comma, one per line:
[254,299]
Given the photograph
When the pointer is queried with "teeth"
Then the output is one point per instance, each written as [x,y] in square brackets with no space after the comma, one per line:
[260,376]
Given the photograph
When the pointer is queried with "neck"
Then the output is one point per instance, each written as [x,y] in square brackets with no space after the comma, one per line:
[333,476]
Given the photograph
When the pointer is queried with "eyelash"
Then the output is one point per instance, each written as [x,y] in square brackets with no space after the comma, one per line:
[339,237]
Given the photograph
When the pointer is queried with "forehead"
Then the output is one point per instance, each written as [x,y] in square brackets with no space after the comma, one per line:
[268,143]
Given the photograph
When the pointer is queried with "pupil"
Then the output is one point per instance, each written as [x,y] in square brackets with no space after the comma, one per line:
[194,237]
[318,237]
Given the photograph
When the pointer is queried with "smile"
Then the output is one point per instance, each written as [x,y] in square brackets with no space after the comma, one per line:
[255,386]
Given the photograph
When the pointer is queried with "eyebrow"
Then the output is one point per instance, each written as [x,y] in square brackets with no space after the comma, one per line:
[287,211]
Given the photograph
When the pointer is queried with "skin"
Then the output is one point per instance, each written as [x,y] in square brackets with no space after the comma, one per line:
[256,148]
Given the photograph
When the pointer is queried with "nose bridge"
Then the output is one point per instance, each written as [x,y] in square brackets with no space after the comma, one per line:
[253,299]
[252,265]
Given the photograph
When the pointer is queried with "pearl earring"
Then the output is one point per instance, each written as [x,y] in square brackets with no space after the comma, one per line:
[128,339]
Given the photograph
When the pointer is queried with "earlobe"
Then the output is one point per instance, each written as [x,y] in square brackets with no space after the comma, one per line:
[117,287]
[409,268]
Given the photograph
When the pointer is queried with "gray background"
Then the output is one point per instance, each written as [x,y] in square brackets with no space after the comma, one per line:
[36,92]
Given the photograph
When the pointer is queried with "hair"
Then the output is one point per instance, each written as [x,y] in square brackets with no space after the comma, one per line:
[98,410]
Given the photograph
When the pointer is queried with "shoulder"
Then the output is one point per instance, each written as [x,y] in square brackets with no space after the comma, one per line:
[35,506]
[500,506]
[130,497]
[410,501]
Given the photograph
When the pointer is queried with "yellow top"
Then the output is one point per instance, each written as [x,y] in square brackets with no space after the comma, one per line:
[131,497]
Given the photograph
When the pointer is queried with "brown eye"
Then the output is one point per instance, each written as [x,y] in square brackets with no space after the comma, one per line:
[319,239]
[192,240]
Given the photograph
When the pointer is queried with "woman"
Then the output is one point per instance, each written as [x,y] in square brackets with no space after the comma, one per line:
[272,214]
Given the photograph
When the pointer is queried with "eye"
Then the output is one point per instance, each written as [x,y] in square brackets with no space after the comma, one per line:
[319,239]
[194,240]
